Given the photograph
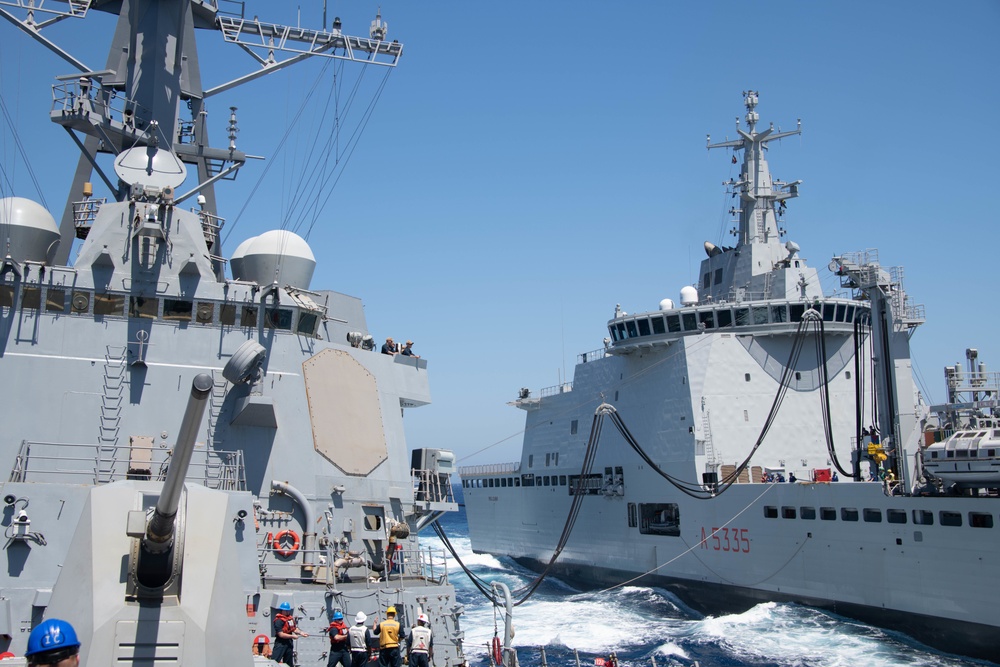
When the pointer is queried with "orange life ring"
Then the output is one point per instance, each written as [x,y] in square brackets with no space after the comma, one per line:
[279,543]
[497,652]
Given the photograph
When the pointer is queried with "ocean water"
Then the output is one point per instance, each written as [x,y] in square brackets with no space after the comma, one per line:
[646,626]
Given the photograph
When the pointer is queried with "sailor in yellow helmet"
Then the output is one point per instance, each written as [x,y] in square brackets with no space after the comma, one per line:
[389,634]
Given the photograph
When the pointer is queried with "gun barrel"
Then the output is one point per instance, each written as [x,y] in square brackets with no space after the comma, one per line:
[161,527]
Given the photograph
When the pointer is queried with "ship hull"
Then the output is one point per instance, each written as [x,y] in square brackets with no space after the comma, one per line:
[933,582]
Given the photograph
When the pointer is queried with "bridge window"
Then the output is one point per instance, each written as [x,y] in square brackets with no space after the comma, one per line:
[227,314]
[841,312]
[690,321]
[828,311]
[527,480]
[55,300]
[308,323]
[658,327]
[139,306]
[249,316]
[630,327]
[673,323]
[177,310]
[278,318]
[760,315]
[742,317]
[795,312]
[779,313]
[850,314]
[31,297]
[643,327]
[707,318]
[621,331]
[725,318]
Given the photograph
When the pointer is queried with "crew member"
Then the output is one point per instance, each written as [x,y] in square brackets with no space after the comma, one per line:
[388,632]
[285,634]
[360,638]
[339,644]
[420,645]
[53,642]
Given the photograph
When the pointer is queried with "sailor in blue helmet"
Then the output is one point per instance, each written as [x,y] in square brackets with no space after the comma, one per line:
[285,634]
[53,642]
[340,645]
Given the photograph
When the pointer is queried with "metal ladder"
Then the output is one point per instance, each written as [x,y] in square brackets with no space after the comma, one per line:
[112,399]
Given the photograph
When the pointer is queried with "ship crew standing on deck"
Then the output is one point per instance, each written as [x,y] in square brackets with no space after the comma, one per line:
[388,632]
[339,642]
[285,634]
[53,642]
[389,347]
[420,645]
[360,639]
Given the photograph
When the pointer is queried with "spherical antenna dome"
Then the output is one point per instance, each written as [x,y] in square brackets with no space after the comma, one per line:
[31,230]
[667,304]
[236,260]
[279,256]
[689,295]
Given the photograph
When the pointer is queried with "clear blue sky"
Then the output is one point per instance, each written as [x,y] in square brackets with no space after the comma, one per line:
[531,164]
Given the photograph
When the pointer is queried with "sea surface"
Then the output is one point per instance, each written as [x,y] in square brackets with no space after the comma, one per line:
[650,626]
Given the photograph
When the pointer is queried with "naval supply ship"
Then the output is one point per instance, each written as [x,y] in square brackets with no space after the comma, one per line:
[185,450]
[767,443]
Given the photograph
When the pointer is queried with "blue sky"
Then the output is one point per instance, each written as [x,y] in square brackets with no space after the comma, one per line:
[531,164]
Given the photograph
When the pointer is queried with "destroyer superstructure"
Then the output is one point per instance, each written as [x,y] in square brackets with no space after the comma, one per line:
[751,418]
[186,451]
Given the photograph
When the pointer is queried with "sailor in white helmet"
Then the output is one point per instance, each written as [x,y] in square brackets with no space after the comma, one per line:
[420,647]
[360,638]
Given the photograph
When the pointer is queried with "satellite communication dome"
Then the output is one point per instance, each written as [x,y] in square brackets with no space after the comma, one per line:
[236,260]
[30,229]
[689,295]
[667,304]
[279,256]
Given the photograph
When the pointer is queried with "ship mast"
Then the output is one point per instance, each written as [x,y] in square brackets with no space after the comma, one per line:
[758,192]
[152,69]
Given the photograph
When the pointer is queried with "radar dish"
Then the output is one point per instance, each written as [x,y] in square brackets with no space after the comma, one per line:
[150,166]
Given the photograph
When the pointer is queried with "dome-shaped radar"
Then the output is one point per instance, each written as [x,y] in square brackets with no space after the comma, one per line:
[279,256]
[689,295]
[667,304]
[236,261]
[30,229]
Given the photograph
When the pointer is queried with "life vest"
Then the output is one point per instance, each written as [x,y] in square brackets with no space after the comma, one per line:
[287,623]
[358,635]
[337,628]
[420,639]
[388,636]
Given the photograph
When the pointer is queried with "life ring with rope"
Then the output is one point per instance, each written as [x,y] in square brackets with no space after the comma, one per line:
[278,544]
[497,651]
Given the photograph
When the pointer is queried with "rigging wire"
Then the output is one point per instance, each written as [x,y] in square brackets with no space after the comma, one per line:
[24,155]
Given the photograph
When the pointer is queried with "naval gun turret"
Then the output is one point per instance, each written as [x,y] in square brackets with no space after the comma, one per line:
[156,561]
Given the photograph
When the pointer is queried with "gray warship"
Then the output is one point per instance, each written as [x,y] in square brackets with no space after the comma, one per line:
[767,443]
[185,452]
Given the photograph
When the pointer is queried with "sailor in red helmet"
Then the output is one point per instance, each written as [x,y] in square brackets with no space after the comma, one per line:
[53,642]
